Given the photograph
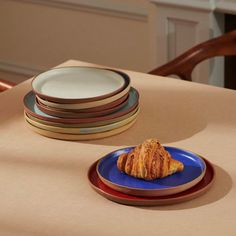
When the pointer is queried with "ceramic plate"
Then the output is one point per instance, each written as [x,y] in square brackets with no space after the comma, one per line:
[85,130]
[79,84]
[77,114]
[80,125]
[80,137]
[123,198]
[107,106]
[32,109]
[194,170]
[85,105]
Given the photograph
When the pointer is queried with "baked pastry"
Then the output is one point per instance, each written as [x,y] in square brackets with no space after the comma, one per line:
[149,161]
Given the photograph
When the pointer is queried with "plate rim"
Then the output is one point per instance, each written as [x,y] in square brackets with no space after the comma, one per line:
[118,103]
[152,192]
[82,130]
[85,105]
[79,125]
[155,201]
[80,137]
[77,114]
[82,120]
[124,76]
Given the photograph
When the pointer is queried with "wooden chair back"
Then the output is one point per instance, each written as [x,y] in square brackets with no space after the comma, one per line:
[183,65]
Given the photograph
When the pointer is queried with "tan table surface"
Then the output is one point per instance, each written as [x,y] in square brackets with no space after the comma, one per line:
[43,182]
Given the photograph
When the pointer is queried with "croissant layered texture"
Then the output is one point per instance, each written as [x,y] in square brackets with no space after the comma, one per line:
[149,161]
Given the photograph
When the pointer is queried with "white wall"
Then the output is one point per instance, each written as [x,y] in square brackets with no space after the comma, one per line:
[39,34]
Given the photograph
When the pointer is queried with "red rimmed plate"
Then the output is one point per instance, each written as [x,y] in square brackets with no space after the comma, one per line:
[58,123]
[80,137]
[85,105]
[78,114]
[79,84]
[32,109]
[93,109]
[126,199]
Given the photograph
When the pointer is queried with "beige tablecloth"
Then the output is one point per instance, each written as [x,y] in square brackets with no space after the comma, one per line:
[43,182]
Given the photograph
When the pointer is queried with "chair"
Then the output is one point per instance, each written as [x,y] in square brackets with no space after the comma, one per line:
[183,65]
[4,85]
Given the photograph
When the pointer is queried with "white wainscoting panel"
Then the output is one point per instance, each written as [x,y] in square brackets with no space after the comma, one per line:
[175,29]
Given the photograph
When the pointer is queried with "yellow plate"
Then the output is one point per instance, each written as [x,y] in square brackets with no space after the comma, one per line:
[80,137]
[85,130]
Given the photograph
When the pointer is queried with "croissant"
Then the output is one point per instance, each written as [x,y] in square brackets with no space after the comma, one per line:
[149,161]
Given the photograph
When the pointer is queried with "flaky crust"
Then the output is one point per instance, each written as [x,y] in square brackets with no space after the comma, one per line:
[149,161]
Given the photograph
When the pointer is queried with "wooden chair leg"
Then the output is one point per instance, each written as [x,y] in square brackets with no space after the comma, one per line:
[4,85]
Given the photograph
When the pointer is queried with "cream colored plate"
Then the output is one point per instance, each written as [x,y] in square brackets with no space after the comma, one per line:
[85,105]
[71,83]
[77,137]
[89,130]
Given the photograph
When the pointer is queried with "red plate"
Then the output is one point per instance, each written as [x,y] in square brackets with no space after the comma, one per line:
[126,199]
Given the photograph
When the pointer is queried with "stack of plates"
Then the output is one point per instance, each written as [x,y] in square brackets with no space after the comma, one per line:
[196,178]
[81,103]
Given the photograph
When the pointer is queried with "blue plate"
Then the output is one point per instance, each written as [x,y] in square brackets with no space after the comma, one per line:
[194,170]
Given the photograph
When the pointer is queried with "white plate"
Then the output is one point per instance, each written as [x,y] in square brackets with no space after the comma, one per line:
[78,84]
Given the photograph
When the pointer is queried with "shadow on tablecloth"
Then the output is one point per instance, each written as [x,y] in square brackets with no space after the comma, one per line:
[169,116]
[220,188]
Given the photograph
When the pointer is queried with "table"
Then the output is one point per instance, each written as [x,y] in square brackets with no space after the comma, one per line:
[43,182]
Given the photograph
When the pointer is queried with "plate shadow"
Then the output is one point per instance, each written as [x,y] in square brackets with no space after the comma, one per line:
[220,188]
[161,119]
